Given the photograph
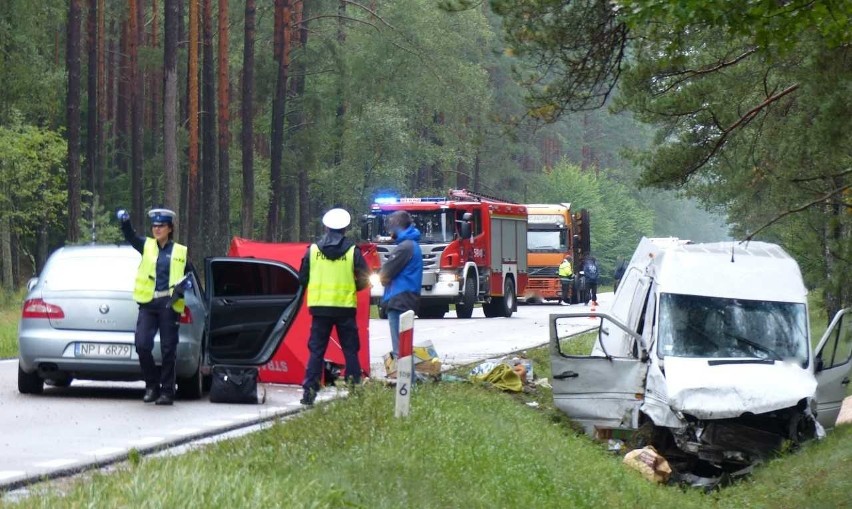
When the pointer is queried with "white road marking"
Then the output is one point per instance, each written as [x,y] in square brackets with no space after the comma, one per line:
[8,361]
[55,463]
[106,451]
[146,441]
[184,431]
[11,474]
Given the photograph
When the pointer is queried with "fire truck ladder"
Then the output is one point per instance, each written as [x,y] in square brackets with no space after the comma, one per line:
[464,194]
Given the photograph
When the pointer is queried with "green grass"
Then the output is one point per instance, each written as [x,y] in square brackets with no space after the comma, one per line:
[463,446]
[10,313]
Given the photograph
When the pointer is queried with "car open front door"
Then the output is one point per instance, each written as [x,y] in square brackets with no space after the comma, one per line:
[251,305]
[598,392]
[833,361]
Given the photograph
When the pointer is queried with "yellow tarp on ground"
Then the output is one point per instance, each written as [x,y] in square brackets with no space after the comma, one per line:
[503,377]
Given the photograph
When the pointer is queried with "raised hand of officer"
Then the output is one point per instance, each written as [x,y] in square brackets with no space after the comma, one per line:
[122,215]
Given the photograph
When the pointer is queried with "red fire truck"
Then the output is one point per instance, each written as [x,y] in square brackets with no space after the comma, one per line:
[474,250]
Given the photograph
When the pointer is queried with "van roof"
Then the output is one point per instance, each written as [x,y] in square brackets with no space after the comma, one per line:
[751,271]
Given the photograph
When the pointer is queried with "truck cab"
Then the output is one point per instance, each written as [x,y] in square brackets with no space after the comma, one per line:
[474,251]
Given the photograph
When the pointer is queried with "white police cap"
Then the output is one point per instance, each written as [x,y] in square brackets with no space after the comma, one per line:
[336,219]
[161,215]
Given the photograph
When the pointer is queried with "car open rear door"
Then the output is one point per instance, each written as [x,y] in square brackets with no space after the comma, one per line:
[833,359]
[597,392]
[251,304]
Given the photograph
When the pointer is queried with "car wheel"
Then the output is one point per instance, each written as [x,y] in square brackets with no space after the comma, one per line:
[29,383]
[464,309]
[191,387]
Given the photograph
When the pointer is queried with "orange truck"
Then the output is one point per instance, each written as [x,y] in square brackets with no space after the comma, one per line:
[554,231]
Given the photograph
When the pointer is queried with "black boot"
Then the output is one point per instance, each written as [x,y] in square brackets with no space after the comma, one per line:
[165,399]
[308,397]
[151,394]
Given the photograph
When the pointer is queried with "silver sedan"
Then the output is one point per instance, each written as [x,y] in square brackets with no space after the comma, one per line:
[79,320]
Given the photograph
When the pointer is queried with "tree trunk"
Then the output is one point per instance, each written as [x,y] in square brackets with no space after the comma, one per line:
[92,120]
[304,218]
[476,176]
[224,131]
[209,170]
[273,230]
[123,101]
[102,101]
[290,175]
[136,120]
[6,254]
[73,118]
[247,141]
[193,218]
[170,43]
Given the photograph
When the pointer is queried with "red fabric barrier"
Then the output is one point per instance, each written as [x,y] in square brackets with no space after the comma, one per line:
[287,365]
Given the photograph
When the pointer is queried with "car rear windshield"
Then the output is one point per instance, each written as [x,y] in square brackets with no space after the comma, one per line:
[696,326]
[116,273]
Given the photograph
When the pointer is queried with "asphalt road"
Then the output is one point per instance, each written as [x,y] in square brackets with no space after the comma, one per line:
[66,430]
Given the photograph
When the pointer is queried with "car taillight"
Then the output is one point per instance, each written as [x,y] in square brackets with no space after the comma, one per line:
[37,308]
[186,316]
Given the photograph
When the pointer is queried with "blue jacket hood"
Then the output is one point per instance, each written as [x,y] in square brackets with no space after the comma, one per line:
[410,233]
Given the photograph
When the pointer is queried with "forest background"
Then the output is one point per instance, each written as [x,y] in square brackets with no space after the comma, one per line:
[251,118]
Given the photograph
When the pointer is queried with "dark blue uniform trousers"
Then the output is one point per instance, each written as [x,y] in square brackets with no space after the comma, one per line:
[154,315]
[347,331]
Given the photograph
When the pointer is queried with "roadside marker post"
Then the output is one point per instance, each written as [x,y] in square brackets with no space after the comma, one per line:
[405,364]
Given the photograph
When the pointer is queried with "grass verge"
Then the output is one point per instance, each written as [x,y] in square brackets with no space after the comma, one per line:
[463,446]
[10,313]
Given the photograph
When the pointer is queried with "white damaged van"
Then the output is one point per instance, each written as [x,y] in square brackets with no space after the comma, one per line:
[707,346]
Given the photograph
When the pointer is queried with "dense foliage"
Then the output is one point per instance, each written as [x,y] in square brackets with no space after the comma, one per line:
[387,95]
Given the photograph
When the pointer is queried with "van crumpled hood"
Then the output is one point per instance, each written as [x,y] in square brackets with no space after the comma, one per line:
[729,390]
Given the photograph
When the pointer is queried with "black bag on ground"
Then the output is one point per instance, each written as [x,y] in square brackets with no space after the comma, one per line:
[233,384]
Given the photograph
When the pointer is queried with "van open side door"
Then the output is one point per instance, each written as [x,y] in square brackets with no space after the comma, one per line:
[599,392]
[833,358]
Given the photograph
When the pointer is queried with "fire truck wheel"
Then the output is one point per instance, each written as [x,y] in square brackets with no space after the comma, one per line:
[464,309]
[509,298]
[432,311]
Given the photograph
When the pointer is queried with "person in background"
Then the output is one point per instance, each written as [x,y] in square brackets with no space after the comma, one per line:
[402,273]
[566,279]
[333,270]
[620,269]
[591,272]
[158,280]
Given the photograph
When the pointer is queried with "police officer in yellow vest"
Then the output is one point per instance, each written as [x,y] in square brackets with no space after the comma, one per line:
[566,279]
[163,264]
[333,270]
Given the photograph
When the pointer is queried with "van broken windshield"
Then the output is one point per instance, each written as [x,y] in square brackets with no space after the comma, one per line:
[716,327]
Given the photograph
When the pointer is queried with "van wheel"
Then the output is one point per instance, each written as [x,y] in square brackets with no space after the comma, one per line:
[29,383]
[464,309]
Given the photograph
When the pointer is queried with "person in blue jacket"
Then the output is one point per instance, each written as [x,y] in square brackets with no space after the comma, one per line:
[591,273]
[402,273]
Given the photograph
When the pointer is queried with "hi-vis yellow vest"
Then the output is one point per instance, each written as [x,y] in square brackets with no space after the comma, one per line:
[331,283]
[565,269]
[146,276]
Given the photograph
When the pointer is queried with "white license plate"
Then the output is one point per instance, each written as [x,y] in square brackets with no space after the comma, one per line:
[108,350]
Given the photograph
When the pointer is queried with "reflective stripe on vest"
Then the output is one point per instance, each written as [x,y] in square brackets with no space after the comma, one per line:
[146,276]
[331,283]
